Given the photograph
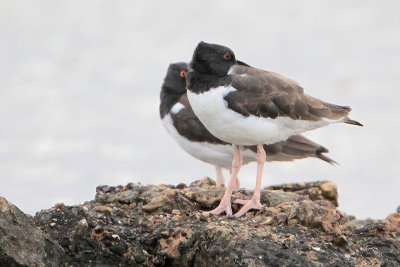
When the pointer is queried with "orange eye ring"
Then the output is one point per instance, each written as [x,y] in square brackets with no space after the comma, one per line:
[227,56]
[182,73]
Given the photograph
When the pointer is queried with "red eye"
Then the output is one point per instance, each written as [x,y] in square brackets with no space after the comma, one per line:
[227,56]
[182,73]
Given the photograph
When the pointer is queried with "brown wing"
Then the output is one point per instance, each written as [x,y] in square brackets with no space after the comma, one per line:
[267,94]
[298,147]
[189,126]
[295,147]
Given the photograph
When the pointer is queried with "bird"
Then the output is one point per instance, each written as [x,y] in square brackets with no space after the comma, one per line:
[243,105]
[193,137]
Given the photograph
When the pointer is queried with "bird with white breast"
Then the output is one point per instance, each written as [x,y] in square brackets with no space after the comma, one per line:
[242,105]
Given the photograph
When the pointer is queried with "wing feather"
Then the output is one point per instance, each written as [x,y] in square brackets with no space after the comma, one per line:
[268,94]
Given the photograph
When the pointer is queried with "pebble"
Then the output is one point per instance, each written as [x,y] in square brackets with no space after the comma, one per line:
[165,234]
[285,244]
[98,229]
[340,241]
[181,186]
[103,188]
[287,235]
[118,249]
[281,218]
[140,258]
[329,189]
[52,224]
[155,204]
[267,221]
[311,255]
[171,192]
[58,205]
[176,232]
[127,197]
[115,236]
[176,212]
[102,209]
[107,242]
[130,186]
[83,222]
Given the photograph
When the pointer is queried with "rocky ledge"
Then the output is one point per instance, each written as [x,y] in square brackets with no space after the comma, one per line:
[147,225]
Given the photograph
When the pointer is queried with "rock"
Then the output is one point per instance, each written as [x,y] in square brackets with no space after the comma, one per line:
[394,219]
[140,259]
[118,249]
[204,197]
[181,186]
[176,212]
[281,218]
[203,183]
[320,190]
[329,190]
[274,198]
[102,209]
[59,206]
[162,226]
[340,241]
[22,243]
[156,203]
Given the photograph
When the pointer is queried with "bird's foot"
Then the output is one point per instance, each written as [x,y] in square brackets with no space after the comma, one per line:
[224,205]
[253,203]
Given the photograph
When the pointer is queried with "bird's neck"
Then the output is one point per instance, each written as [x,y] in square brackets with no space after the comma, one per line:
[198,82]
[168,100]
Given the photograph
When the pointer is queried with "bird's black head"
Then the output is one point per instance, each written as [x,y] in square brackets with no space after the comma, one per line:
[175,82]
[212,59]
[174,86]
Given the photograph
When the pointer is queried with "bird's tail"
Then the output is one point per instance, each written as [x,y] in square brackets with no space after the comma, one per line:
[298,147]
[350,121]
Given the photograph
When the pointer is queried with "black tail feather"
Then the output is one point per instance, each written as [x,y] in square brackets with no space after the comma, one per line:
[350,121]
[326,159]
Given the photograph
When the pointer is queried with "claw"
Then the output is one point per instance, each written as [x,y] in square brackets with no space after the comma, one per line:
[253,203]
[224,205]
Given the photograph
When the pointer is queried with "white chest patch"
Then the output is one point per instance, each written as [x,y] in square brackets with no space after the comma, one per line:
[232,127]
[215,154]
[177,107]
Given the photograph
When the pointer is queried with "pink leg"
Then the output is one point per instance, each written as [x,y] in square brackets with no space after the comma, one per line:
[254,202]
[236,183]
[225,204]
[220,176]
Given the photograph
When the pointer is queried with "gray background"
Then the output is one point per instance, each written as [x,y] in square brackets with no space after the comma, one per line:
[80,81]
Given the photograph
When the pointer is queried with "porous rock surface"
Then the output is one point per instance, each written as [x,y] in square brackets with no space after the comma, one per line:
[148,225]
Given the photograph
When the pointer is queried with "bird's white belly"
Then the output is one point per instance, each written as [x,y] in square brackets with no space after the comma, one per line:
[232,127]
[215,154]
